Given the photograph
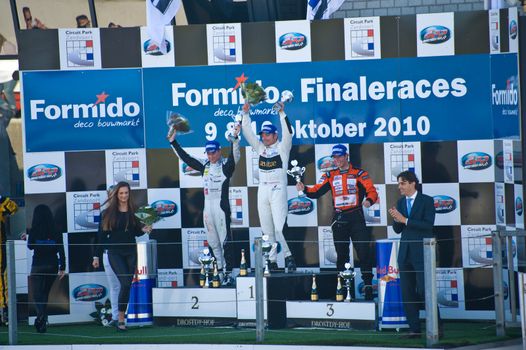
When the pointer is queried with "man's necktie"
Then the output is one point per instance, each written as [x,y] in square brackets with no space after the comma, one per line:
[409,205]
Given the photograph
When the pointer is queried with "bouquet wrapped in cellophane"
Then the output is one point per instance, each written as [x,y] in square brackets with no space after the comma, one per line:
[177,123]
[253,93]
[147,215]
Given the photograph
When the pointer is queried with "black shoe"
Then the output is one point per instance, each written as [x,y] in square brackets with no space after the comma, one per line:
[290,264]
[41,325]
[273,266]
[368,291]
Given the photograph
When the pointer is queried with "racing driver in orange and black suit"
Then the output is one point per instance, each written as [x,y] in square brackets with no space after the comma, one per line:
[349,187]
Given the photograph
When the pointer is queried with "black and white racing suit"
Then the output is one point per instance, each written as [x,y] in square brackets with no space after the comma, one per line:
[272,189]
[216,214]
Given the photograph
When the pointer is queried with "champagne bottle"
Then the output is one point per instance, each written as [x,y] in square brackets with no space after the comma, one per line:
[314,290]
[202,277]
[339,290]
[215,279]
[243,264]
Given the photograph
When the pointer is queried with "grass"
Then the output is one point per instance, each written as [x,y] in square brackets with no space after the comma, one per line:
[456,334]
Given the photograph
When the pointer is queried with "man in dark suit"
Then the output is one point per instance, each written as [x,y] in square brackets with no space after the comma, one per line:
[414,217]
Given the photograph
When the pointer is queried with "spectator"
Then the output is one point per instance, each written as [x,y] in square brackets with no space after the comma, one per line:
[47,244]
[83,21]
[7,47]
[113,25]
[30,22]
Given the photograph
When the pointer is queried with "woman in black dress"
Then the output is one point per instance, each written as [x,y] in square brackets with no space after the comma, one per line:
[118,229]
[48,260]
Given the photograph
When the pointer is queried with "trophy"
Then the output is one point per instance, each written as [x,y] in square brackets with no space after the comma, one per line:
[266,247]
[286,97]
[238,119]
[177,123]
[296,172]
[206,260]
[348,276]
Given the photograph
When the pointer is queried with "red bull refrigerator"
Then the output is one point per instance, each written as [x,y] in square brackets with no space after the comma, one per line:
[390,308]
[140,307]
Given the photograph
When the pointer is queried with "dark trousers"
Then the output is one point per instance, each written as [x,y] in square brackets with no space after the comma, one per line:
[412,286]
[347,226]
[42,278]
[124,265]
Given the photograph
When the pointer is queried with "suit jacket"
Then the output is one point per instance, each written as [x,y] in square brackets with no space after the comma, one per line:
[419,226]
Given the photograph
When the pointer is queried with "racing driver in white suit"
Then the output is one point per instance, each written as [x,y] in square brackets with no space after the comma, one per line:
[272,190]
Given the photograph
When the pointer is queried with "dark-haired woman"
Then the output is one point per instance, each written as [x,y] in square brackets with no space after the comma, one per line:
[118,228]
[48,259]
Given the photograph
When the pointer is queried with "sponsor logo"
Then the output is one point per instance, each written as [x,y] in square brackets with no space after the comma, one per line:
[509,96]
[476,161]
[150,48]
[444,204]
[435,35]
[165,208]
[292,41]
[89,292]
[188,170]
[97,109]
[44,172]
[518,206]
[300,206]
[325,164]
[514,29]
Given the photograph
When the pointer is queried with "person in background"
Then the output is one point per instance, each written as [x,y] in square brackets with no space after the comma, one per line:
[7,47]
[7,208]
[216,173]
[83,21]
[414,218]
[30,22]
[113,280]
[48,260]
[118,228]
[113,25]
[272,175]
[352,190]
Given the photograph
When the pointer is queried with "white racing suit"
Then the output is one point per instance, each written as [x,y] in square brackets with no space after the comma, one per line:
[216,214]
[272,190]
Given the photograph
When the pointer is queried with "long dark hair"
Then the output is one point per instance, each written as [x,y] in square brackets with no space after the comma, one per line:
[43,224]
[109,219]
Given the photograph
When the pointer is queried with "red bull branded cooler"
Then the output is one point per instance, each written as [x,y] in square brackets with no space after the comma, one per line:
[390,308]
[140,307]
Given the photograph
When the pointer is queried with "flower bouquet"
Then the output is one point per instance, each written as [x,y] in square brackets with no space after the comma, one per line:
[103,314]
[253,93]
[147,215]
[177,123]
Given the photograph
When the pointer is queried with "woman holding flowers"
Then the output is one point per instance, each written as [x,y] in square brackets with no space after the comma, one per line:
[118,228]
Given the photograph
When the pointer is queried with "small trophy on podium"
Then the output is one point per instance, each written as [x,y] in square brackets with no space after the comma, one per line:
[296,172]
[266,247]
[206,260]
[286,97]
[348,276]
[238,119]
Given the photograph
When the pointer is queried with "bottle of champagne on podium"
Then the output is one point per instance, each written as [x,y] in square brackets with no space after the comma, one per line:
[215,279]
[339,290]
[202,276]
[314,290]
[243,265]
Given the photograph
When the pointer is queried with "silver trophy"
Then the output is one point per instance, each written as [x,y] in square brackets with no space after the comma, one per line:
[238,119]
[348,276]
[207,260]
[297,172]
[266,247]
[286,97]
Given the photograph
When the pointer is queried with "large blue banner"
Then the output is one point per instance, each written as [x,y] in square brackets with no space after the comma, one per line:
[371,101]
[83,110]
